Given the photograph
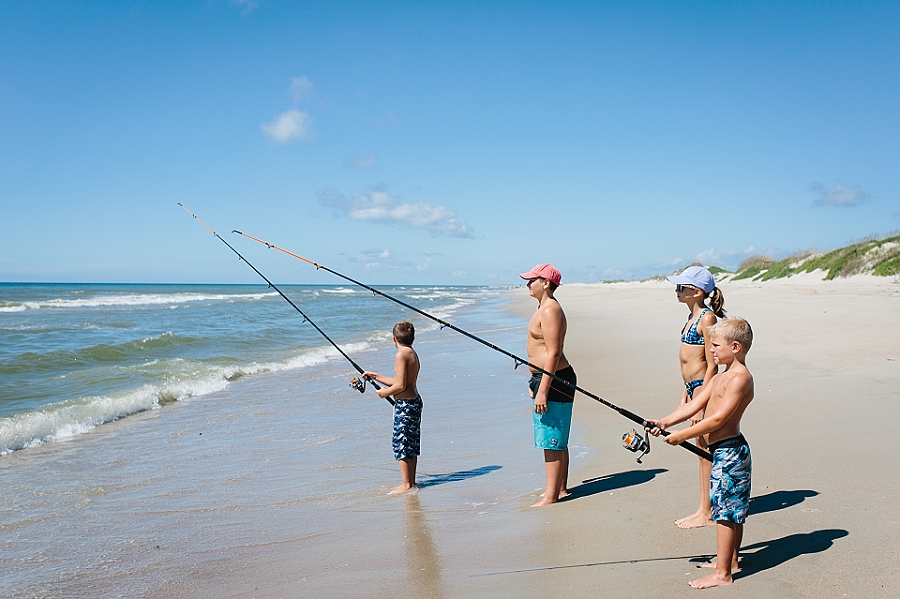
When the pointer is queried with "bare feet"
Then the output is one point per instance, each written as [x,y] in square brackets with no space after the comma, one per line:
[694,515]
[544,501]
[716,579]
[734,567]
[695,521]
[403,489]
[563,493]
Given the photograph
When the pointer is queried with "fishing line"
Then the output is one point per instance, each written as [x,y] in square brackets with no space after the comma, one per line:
[516,359]
[358,383]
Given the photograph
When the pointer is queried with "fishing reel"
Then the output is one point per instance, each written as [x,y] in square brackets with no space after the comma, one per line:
[633,441]
[359,384]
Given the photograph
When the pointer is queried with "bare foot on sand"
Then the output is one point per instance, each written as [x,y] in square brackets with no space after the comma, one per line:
[694,521]
[734,567]
[544,501]
[403,489]
[711,580]
[694,515]
[563,493]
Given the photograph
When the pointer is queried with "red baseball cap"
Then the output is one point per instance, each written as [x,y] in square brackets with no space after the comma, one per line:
[543,271]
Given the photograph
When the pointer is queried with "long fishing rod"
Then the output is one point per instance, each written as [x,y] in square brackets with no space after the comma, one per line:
[641,445]
[358,383]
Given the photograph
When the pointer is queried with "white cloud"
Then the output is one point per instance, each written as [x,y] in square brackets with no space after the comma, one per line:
[301,89]
[840,195]
[379,206]
[288,126]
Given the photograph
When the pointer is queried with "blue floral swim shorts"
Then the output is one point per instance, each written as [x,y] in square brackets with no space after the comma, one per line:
[407,427]
[729,483]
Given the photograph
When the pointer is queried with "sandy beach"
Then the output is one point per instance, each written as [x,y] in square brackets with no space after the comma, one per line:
[826,361]
[229,502]
[823,521]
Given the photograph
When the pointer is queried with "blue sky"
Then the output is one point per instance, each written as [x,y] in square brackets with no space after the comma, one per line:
[440,142]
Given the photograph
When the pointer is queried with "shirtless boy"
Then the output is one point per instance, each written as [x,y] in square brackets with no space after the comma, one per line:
[552,400]
[407,403]
[725,398]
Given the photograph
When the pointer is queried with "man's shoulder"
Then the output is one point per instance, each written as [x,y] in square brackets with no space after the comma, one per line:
[551,307]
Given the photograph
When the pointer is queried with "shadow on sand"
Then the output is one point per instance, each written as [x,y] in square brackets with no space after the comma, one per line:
[432,480]
[610,482]
[769,554]
[779,500]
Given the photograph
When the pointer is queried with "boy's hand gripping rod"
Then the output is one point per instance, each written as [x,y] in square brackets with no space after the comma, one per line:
[356,384]
[518,361]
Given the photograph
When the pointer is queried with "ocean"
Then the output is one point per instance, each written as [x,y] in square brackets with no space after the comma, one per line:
[74,357]
[179,440]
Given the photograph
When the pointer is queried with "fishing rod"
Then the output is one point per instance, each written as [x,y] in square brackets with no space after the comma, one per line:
[357,383]
[634,442]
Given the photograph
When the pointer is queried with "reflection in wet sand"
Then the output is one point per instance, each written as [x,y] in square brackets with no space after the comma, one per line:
[422,558]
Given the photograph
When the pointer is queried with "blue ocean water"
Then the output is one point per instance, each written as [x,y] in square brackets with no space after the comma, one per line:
[76,356]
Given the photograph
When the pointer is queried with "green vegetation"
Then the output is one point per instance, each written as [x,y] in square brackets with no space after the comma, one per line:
[752,266]
[748,273]
[880,257]
[888,268]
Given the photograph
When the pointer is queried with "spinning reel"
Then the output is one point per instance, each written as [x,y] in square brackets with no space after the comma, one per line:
[635,442]
[359,384]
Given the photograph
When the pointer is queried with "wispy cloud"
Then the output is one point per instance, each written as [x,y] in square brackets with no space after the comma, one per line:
[247,6]
[361,161]
[379,206]
[288,126]
[301,89]
[383,259]
[727,259]
[388,121]
[840,195]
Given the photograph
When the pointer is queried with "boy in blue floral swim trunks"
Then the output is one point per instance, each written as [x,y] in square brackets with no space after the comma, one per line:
[407,403]
[725,399]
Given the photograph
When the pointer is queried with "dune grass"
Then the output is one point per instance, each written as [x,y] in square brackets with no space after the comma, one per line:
[879,257]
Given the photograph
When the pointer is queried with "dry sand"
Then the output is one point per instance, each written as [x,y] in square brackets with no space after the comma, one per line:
[824,518]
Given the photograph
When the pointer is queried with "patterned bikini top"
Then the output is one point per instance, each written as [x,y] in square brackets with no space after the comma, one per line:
[692,336]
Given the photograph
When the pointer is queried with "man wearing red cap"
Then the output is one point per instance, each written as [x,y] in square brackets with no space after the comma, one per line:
[553,399]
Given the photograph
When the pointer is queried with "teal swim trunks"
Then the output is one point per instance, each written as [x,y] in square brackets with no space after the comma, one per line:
[551,429]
